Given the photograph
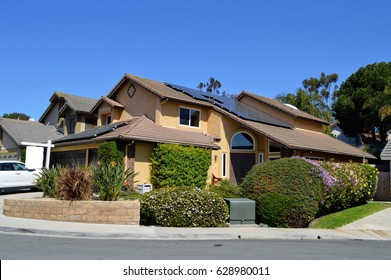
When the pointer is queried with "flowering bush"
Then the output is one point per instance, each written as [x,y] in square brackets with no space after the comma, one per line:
[183,207]
[353,184]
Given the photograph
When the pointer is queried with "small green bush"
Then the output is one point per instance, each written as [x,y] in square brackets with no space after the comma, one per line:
[179,166]
[226,189]
[287,192]
[75,183]
[353,184]
[183,207]
[47,181]
[109,152]
[110,179]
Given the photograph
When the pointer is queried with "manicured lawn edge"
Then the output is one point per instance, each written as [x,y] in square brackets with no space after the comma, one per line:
[347,216]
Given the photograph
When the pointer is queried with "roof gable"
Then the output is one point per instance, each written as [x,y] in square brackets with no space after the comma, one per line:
[76,103]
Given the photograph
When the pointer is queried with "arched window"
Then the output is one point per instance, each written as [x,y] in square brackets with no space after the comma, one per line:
[242,141]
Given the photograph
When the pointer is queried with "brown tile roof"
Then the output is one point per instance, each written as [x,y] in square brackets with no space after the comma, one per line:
[141,129]
[109,101]
[144,129]
[280,106]
[301,139]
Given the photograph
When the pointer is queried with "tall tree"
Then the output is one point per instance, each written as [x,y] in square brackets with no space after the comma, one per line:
[17,116]
[325,87]
[315,97]
[212,86]
[364,99]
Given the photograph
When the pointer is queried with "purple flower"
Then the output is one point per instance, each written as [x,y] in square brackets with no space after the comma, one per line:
[327,178]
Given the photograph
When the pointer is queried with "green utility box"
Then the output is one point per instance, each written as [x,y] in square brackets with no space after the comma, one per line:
[241,210]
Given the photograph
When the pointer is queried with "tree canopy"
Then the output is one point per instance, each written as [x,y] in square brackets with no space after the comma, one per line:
[17,116]
[364,101]
[315,97]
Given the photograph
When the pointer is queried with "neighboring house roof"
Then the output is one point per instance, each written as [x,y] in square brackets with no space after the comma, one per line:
[142,129]
[302,139]
[28,131]
[386,153]
[76,103]
[282,107]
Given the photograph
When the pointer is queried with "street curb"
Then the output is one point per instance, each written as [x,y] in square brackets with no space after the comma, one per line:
[271,234]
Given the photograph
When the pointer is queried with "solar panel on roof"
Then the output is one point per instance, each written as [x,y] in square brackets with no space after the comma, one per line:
[230,105]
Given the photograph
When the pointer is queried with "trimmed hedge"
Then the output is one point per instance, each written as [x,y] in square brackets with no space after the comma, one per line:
[287,192]
[179,166]
[183,207]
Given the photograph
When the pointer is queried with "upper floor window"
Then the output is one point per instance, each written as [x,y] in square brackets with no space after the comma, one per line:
[242,141]
[189,117]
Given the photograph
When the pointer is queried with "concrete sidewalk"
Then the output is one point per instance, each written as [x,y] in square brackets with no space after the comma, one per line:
[374,227]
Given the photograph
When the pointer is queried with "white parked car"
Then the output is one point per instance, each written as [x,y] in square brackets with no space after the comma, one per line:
[14,175]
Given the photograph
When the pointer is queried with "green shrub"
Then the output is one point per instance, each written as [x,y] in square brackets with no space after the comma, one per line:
[75,183]
[354,184]
[287,192]
[47,181]
[109,152]
[183,207]
[110,179]
[226,189]
[179,166]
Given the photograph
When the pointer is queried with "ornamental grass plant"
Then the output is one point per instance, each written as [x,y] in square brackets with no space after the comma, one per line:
[75,183]
[110,179]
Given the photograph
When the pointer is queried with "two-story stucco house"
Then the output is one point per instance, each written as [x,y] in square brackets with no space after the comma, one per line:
[241,132]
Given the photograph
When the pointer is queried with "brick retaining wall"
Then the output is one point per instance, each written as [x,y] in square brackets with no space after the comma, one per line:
[99,212]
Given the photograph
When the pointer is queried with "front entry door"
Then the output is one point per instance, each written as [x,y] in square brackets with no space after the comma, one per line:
[240,165]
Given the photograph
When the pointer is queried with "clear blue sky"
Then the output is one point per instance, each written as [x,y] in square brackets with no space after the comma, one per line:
[84,47]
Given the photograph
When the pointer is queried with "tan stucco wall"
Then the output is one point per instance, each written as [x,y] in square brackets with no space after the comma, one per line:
[142,163]
[142,103]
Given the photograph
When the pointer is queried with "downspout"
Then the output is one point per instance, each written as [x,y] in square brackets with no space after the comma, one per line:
[126,153]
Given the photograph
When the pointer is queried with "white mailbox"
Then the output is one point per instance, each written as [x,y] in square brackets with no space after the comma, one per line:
[143,188]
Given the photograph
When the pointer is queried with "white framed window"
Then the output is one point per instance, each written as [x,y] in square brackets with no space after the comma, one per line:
[189,117]
[260,158]
[274,147]
[242,141]
[224,165]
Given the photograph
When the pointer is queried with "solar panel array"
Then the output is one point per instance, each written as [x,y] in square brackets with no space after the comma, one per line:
[230,105]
